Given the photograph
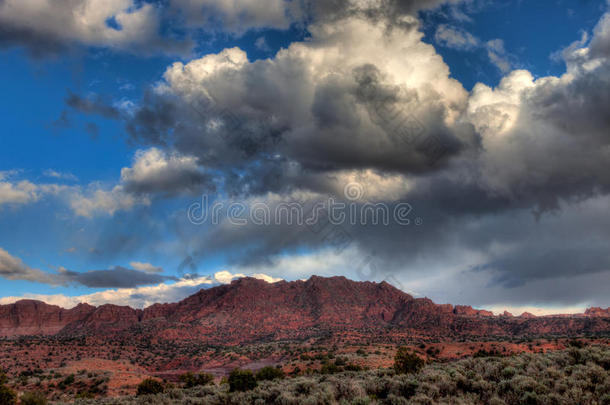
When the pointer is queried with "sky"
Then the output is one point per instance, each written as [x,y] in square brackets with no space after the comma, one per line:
[457,149]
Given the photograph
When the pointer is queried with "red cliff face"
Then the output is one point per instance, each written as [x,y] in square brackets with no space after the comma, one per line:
[28,317]
[106,318]
[252,310]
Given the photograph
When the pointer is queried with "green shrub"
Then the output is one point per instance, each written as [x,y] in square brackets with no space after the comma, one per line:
[269,373]
[352,367]
[191,380]
[340,361]
[66,381]
[241,380]
[33,398]
[150,386]
[406,362]
[85,395]
[330,368]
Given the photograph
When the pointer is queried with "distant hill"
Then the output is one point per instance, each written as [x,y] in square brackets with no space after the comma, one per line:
[250,310]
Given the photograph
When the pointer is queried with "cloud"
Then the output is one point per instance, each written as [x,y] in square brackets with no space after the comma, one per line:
[23,192]
[154,173]
[139,297]
[12,268]
[261,44]
[528,177]
[49,26]
[157,171]
[455,37]
[538,311]
[60,175]
[240,16]
[120,277]
[96,200]
[600,45]
[497,55]
[236,16]
[236,116]
[146,267]
[93,104]
[460,39]
[225,277]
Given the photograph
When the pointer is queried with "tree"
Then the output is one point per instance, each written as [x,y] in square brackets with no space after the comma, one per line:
[150,386]
[241,380]
[406,362]
[269,373]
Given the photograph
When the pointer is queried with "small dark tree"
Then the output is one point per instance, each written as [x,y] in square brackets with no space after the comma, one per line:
[241,380]
[150,386]
[269,373]
[406,362]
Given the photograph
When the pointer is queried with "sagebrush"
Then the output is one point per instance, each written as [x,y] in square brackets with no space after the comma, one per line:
[573,376]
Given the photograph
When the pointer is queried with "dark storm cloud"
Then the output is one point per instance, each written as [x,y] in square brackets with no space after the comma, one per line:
[157,172]
[118,277]
[154,120]
[172,184]
[560,142]
[37,45]
[353,122]
[13,268]
[600,45]
[515,271]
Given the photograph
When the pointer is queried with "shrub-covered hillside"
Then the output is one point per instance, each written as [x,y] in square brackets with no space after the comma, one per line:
[573,376]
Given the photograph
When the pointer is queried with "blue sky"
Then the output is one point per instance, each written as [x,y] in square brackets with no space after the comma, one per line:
[70,101]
